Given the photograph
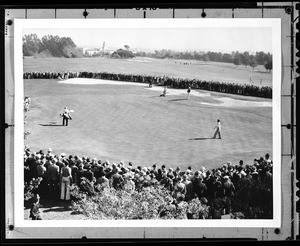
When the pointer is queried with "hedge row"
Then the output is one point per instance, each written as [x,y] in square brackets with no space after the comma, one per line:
[240,89]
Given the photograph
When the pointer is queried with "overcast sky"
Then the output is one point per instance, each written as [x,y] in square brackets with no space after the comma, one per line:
[200,39]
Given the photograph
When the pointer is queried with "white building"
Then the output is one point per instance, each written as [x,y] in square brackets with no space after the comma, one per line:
[91,52]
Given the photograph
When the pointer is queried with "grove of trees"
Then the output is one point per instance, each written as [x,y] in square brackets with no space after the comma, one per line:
[121,53]
[50,46]
[235,57]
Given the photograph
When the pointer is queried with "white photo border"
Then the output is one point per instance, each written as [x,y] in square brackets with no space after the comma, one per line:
[20,24]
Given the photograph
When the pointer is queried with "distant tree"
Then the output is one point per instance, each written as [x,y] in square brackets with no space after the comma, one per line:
[269,66]
[43,54]
[252,61]
[227,58]
[115,55]
[237,59]
[50,45]
[245,58]
[197,55]
[120,53]
[205,57]
[141,53]
[263,58]
[31,45]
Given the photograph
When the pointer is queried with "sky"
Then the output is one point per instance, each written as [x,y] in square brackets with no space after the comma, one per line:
[178,39]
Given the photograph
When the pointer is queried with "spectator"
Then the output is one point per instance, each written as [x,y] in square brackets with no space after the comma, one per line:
[53,178]
[198,186]
[74,170]
[80,173]
[89,175]
[41,173]
[102,180]
[267,159]
[65,177]
[35,213]
[217,189]
[229,189]
[117,180]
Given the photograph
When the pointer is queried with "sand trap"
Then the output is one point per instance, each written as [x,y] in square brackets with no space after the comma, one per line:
[230,102]
[224,101]
[87,81]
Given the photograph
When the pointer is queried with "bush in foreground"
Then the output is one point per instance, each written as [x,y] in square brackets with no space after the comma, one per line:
[153,202]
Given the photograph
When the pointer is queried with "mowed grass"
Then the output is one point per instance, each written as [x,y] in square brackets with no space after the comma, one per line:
[210,71]
[132,123]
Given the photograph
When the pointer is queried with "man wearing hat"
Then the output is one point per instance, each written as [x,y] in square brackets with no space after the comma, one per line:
[30,162]
[53,178]
[35,163]
[80,173]
[49,153]
[89,174]
[60,162]
[41,172]
[199,187]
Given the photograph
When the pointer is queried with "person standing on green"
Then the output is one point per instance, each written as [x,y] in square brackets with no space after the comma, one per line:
[218,129]
[189,93]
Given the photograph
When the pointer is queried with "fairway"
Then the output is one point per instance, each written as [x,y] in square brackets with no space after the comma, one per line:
[210,71]
[131,122]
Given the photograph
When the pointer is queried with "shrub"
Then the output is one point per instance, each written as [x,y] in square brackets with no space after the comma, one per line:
[30,189]
[152,202]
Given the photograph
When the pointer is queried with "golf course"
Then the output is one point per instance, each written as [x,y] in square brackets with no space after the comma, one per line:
[195,69]
[123,121]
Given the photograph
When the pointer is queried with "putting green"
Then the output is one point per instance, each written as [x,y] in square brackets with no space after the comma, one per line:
[133,123]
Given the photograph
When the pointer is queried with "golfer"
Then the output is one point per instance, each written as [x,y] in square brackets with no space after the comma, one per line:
[66,116]
[164,91]
[189,91]
[218,129]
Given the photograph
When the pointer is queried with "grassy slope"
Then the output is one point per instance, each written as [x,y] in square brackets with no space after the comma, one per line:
[131,123]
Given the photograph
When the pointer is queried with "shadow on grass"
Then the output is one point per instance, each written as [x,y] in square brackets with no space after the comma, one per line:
[200,138]
[55,205]
[154,96]
[57,209]
[50,124]
[179,99]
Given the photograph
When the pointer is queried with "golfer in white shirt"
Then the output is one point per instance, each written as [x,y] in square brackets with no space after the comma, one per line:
[218,129]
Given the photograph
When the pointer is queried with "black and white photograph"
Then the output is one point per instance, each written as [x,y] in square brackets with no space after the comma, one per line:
[150,122]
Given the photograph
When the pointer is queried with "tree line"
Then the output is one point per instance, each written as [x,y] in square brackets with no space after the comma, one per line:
[50,46]
[55,46]
[235,57]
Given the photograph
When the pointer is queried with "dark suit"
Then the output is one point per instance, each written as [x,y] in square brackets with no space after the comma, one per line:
[65,119]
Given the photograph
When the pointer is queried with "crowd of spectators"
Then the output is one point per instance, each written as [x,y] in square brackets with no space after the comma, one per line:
[174,82]
[217,187]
